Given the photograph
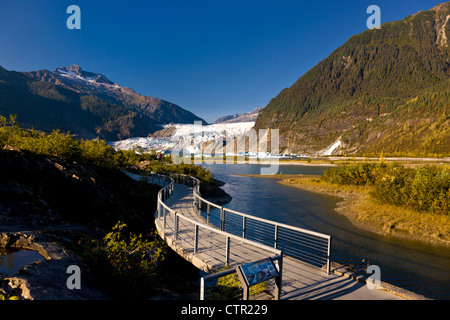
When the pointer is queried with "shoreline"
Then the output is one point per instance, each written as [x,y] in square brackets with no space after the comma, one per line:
[333,161]
[365,213]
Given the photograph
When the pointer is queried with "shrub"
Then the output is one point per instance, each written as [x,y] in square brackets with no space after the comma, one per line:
[125,263]
[426,188]
[393,185]
[98,153]
[230,288]
[197,171]
[354,174]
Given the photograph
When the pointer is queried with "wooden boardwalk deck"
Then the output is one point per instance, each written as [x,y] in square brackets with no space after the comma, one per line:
[299,280]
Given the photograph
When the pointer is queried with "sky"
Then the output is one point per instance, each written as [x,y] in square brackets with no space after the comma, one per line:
[213,58]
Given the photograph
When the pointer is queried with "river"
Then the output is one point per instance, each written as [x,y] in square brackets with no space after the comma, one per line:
[409,264]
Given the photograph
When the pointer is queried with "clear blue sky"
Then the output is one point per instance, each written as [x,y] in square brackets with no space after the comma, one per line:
[214,57]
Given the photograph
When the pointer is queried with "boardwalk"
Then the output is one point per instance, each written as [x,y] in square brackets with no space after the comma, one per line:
[208,248]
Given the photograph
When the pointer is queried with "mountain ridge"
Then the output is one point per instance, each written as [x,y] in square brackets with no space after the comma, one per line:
[85,103]
[372,92]
[239,117]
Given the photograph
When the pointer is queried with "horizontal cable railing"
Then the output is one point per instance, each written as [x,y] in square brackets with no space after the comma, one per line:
[307,246]
[201,237]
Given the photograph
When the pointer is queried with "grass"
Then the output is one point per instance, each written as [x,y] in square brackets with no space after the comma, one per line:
[368,213]
[337,160]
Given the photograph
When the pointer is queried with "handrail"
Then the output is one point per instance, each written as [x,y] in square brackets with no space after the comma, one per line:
[306,245]
[318,234]
[162,208]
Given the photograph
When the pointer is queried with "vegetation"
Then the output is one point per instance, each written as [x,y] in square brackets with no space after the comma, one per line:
[92,152]
[197,171]
[130,261]
[8,297]
[56,144]
[370,213]
[425,189]
[383,90]
[128,265]
[230,288]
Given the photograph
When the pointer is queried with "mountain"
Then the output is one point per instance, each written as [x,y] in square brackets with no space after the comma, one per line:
[385,90]
[85,103]
[240,117]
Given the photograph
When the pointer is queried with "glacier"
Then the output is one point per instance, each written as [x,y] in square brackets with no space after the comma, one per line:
[191,138]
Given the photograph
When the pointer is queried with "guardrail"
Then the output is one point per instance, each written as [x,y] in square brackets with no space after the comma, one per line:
[307,246]
[181,224]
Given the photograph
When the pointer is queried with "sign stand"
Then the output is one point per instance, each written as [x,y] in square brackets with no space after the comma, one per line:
[258,272]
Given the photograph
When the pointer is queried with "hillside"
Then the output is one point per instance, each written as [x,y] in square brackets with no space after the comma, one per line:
[385,90]
[84,103]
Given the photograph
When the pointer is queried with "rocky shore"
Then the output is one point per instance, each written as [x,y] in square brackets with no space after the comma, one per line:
[48,205]
[46,279]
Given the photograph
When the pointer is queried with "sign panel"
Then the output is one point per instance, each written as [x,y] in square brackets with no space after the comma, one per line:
[259,271]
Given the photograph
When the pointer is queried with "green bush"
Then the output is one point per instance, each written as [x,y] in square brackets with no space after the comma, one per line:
[426,188]
[92,152]
[230,288]
[193,170]
[354,174]
[98,153]
[126,264]
[393,185]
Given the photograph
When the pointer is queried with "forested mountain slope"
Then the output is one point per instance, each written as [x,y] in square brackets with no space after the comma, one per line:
[385,90]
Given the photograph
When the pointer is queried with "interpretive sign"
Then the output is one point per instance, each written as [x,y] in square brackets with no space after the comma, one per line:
[258,271]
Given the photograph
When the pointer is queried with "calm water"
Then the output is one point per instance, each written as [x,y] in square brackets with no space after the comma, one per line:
[424,269]
[12,262]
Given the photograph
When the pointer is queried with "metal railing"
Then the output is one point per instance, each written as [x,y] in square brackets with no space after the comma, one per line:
[307,246]
[189,230]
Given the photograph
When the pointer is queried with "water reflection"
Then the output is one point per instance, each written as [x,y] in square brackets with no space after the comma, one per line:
[12,261]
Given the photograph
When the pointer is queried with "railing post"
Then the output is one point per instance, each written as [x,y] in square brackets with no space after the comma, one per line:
[328,256]
[244,227]
[196,239]
[164,217]
[276,237]
[278,280]
[208,210]
[227,251]
[159,207]
[222,219]
[202,288]
[175,227]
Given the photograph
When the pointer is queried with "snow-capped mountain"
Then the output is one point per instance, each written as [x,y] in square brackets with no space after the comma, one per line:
[115,112]
[240,117]
[75,72]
